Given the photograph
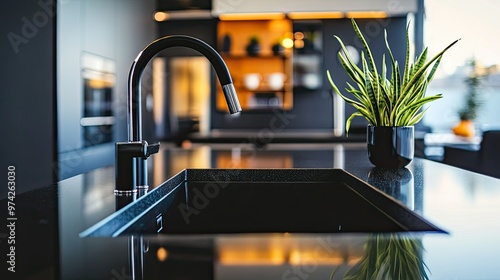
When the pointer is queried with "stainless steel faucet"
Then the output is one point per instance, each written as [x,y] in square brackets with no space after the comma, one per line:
[131,156]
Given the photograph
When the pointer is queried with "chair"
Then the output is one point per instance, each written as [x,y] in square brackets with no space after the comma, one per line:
[485,160]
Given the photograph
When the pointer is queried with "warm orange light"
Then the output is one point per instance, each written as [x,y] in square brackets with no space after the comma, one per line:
[182,15]
[162,254]
[252,256]
[99,84]
[250,260]
[298,35]
[366,14]
[161,16]
[299,44]
[251,16]
[315,15]
[287,43]
[304,257]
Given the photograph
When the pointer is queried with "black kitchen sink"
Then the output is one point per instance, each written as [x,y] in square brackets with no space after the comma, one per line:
[228,201]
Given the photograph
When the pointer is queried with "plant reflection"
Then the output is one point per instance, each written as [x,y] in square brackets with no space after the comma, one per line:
[389,256]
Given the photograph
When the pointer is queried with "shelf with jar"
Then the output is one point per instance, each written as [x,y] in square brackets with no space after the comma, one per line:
[260,62]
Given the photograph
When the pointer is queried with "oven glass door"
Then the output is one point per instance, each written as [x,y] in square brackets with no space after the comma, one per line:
[97,121]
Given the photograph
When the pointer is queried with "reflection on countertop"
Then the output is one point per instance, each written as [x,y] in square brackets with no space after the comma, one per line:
[271,134]
[463,203]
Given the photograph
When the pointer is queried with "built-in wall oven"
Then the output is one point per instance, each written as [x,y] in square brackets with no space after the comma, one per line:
[97,121]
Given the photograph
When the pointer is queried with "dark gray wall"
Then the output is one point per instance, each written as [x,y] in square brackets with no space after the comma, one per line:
[203,29]
[27,93]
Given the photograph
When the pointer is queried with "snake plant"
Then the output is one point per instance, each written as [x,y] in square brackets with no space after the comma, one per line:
[383,101]
[391,256]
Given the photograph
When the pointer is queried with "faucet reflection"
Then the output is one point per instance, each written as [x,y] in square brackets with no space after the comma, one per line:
[131,156]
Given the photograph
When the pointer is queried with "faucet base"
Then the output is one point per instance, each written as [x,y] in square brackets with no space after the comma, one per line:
[142,190]
[125,192]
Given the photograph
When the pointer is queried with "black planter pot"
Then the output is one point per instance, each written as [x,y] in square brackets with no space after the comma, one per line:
[390,146]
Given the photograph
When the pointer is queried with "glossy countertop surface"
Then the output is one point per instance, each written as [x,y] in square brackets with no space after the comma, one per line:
[49,220]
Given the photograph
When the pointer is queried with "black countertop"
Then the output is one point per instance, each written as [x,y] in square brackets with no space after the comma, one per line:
[264,136]
[48,222]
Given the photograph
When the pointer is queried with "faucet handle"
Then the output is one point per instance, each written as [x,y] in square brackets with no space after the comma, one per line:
[137,149]
[125,168]
[152,148]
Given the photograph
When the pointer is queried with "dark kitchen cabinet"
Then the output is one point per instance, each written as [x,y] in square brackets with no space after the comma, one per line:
[28,92]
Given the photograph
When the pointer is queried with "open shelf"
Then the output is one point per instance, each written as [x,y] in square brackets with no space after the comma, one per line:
[262,65]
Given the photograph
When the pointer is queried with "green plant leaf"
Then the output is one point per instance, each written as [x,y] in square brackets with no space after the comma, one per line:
[335,88]
[346,99]
[349,120]
[395,79]
[394,101]
[420,61]
[406,73]
[348,57]
[389,256]
[421,71]
[371,61]
[370,92]
[352,71]
[433,70]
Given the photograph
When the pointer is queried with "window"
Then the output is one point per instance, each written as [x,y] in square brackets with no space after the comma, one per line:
[476,23]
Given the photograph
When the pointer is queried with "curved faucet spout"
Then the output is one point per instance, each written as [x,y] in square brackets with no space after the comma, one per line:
[131,156]
[134,82]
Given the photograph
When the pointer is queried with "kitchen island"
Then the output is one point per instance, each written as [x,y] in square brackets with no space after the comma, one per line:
[49,220]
